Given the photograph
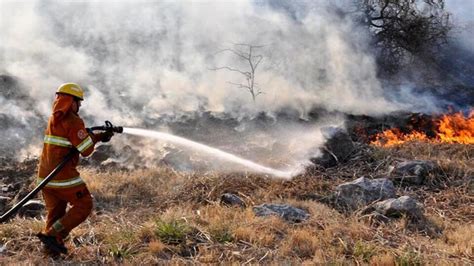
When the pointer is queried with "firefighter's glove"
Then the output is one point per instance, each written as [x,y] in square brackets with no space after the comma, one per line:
[107,135]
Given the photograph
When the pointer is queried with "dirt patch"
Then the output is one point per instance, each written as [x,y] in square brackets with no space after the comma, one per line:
[16,178]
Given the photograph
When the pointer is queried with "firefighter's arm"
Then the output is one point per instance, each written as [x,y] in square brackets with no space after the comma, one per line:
[81,139]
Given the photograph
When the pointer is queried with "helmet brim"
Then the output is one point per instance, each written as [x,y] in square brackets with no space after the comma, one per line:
[73,96]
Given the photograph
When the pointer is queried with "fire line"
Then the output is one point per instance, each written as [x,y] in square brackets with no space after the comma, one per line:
[450,128]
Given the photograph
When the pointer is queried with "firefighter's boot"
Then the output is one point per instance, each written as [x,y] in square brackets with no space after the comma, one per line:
[52,243]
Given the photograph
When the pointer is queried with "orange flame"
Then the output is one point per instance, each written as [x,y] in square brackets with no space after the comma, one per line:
[451,128]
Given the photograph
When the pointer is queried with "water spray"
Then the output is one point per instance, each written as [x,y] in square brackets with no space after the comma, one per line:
[196,146]
[211,151]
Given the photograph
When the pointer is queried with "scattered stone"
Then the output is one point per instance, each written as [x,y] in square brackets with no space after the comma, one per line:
[412,172]
[406,206]
[338,147]
[362,191]
[287,212]
[232,200]
[178,159]
[101,153]
[396,208]
[7,188]
[106,157]
[33,208]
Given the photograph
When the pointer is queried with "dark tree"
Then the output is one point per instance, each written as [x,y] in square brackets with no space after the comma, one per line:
[405,29]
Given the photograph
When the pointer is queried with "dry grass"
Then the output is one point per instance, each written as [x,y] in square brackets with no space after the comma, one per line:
[163,216]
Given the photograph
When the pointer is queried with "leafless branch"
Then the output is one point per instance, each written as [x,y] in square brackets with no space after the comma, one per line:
[231,69]
[403,29]
[253,62]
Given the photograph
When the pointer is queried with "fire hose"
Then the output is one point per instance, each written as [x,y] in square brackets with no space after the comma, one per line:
[108,127]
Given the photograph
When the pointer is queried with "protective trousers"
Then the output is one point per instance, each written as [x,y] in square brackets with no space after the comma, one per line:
[60,222]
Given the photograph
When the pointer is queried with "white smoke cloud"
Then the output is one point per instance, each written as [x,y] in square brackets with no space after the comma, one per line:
[144,60]
[158,55]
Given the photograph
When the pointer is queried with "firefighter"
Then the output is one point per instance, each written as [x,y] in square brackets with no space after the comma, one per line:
[65,131]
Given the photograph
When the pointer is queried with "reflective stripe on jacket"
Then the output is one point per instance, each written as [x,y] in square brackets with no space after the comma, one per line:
[64,142]
[67,183]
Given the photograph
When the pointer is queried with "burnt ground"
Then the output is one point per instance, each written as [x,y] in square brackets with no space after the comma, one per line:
[16,178]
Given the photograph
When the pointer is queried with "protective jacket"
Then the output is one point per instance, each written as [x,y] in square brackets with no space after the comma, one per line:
[65,131]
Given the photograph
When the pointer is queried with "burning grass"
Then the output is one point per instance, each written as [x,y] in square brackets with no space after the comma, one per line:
[163,216]
[449,128]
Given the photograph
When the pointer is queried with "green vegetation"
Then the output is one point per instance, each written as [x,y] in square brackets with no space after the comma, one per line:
[172,232]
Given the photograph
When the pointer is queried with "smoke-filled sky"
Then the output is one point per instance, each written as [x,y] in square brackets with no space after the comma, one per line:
[463,19]
[143,60]
[151,58]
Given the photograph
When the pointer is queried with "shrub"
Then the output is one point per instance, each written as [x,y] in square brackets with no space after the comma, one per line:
[172,232]
[221,234]
[364,251]
[409,258]
[121,251]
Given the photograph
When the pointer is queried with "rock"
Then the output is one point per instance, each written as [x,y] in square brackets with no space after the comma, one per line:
[396,208]
[362,191]
[101,153]
[412,172]
[232,200]
[177,159]
[7,188]
[285,211]
[337,149]
[32,208]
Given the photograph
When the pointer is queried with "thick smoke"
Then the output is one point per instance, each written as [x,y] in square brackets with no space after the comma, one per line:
[464,22]
[148,59]
[143,62]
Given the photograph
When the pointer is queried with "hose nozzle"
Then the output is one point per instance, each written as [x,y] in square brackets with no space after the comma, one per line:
[108,127]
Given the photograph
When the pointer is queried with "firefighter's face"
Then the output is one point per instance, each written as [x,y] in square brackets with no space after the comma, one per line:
[76,104]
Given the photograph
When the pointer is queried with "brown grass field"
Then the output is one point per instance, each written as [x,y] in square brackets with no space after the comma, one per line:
[158,216]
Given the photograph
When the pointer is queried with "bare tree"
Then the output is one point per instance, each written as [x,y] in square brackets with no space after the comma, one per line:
[245,53]
[405,28]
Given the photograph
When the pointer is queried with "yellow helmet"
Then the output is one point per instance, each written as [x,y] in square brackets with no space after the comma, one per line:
[71,89]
